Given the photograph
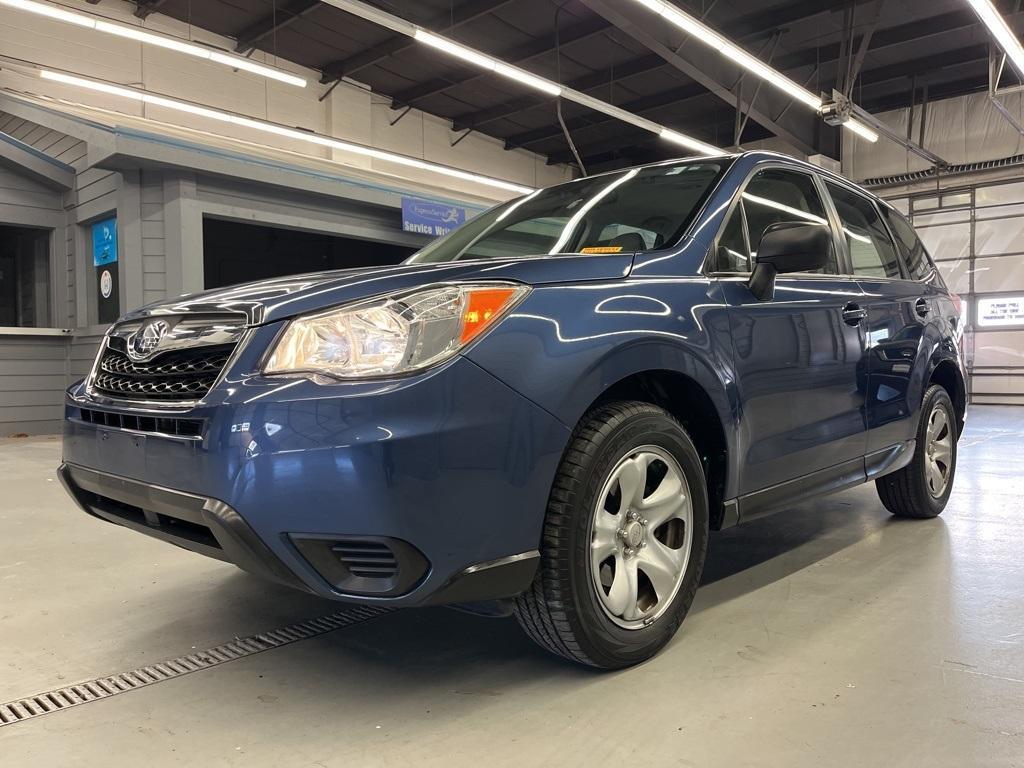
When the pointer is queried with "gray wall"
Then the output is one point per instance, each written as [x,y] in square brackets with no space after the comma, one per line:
[33,369]
[33,375]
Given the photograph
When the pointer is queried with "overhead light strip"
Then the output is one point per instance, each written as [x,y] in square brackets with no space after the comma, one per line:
[486,62]
[275,129]
[1001,32]
[702,33]
[153,38]
[491,64]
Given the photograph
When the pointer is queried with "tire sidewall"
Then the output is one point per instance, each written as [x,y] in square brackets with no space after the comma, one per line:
[605,641]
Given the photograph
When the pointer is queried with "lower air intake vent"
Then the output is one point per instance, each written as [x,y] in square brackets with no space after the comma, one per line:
[161,425]
[365,565]
[367,559]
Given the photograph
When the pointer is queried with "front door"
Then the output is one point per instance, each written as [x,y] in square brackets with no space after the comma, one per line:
[799,357]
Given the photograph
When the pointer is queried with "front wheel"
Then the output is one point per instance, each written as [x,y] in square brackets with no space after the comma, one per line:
[921,489]
[624,542]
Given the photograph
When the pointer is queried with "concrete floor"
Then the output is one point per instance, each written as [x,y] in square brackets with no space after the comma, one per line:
[830,635]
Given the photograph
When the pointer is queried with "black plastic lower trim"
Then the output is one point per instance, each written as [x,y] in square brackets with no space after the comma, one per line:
[196,523]
[891,459]
[505,577]
[792,492]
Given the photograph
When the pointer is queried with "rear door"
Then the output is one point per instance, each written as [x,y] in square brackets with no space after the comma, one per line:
[898,311]
[799,357]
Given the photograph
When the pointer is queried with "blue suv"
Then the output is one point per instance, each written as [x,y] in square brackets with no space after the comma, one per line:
[545,412]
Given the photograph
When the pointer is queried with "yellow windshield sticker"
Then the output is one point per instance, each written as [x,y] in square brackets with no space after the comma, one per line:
[602,249]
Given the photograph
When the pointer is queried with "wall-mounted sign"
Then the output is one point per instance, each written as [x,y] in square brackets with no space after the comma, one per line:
[106,283]
[103,234]
[430,218]
[1002,310]
[104,242]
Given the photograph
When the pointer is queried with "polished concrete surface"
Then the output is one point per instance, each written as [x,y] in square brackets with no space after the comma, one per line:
[828,635]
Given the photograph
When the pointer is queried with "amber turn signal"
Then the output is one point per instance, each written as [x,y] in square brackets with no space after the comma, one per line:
[483,306]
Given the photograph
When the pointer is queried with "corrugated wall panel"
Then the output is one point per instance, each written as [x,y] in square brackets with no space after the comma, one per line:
[33,375]
[57,145]
[154,247]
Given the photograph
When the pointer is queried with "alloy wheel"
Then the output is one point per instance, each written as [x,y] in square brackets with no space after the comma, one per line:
[641,535]
[939,452]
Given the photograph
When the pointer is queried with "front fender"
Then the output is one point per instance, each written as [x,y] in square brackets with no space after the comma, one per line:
[564,346]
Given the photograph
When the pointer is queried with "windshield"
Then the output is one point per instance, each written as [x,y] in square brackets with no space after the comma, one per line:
[636,210]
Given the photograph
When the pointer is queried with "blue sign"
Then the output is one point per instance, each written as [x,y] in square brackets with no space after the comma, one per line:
[430,218]
[104,242]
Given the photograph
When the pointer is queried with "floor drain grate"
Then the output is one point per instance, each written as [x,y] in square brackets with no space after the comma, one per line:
[40,704]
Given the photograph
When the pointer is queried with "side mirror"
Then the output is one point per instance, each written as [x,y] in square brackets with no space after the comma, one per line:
[788,246]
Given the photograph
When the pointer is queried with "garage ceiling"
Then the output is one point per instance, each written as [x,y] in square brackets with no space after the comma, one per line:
[619,52]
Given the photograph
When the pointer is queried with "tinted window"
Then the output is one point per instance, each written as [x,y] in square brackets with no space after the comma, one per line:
[772,196]
[910,245]
[871,249]
[621,212]
[733,253]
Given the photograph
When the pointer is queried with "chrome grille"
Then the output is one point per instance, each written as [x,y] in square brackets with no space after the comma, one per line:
[186,374]
[183,366]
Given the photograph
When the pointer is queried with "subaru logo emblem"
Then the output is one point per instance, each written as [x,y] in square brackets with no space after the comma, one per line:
[145,341]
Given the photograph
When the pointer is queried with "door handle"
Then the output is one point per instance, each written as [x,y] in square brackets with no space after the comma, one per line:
[922,308]
[853,314]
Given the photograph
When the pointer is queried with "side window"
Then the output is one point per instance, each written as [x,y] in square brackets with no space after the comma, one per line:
[775,195]
[733,253]
[910,245]
[871,249]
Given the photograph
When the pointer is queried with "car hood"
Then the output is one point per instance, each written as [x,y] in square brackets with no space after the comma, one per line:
[280,298]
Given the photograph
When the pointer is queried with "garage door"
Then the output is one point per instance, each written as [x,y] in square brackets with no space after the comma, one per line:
[976,236]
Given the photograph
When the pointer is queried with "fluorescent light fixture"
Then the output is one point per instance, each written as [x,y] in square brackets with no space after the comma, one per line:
[1001,32]
[857,127]
[737,55]
[486,62]
[678,138]
[50,11]
[153,38]
[482,60]
[277,130]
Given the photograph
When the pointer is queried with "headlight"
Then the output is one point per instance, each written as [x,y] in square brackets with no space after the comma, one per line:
[392,335]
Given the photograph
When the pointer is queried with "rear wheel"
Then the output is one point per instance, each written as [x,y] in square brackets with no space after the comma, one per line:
[624,540]
[921,489]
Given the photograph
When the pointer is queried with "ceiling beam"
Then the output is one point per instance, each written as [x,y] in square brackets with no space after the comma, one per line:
[462,14]
[633,67]
[273,22]
[925,65]
[633,147]
[958,59]
[936,91]
[917,32]
[719,76]
[653,101]
[585,30]
[748,27]
[145,7]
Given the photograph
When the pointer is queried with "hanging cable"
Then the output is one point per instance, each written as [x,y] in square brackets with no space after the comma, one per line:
[558,100]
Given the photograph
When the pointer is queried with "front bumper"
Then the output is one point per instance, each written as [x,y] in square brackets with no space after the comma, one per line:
[444,476]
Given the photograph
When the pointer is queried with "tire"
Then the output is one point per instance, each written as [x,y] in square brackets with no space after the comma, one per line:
[911,491]
[563,611]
